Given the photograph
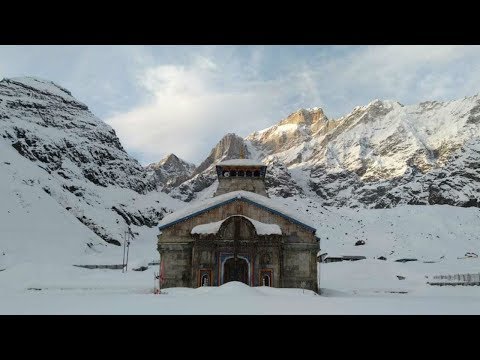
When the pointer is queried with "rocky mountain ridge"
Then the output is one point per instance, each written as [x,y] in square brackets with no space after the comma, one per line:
[379,155]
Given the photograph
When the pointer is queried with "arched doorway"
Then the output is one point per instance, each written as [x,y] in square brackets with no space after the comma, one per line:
[266,277]
[235,269]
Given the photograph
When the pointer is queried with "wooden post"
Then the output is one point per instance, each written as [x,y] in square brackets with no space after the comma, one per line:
[154,282]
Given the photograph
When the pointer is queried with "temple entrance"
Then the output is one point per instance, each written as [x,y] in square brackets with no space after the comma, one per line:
[235,269]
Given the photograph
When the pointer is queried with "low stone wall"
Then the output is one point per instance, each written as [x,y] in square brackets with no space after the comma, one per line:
[112,267]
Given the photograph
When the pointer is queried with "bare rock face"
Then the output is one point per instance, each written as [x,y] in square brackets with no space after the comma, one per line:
[230,146]
[279,181]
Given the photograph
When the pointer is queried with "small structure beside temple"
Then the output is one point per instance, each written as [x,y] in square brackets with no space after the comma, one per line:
[240,234]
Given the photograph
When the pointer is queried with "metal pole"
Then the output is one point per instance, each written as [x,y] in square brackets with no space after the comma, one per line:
[128,250]
[124,243]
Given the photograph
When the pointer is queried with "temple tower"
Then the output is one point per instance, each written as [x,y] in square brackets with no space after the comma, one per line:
[241,174]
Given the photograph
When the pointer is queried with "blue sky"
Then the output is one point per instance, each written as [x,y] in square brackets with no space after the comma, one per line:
[183,99]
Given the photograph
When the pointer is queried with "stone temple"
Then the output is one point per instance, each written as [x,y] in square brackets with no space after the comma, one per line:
[240,234]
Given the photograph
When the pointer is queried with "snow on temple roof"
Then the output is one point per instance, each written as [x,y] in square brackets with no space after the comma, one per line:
[260,228]
[241,162]
[255,199]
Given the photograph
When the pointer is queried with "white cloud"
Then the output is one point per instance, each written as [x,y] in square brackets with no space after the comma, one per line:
[191,110]
[409,74]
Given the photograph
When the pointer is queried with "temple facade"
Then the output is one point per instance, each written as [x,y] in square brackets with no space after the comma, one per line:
[240,234]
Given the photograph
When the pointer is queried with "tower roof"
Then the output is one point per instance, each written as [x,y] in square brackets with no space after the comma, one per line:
[240,162]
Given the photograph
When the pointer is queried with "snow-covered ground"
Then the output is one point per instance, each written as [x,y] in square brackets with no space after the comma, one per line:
[41,279]
[362,287]
[40,242]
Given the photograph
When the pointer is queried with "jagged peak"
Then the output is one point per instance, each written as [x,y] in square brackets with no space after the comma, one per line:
[308,116]
[169,157]
[372,105]
[230,146]
[305,111]
[388,103]
[168,160]
[231,135]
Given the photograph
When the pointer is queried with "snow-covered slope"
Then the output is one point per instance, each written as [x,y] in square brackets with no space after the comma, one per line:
[422,232]
[65,176]
[44,123]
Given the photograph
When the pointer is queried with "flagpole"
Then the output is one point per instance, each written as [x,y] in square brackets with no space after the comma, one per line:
[124,244]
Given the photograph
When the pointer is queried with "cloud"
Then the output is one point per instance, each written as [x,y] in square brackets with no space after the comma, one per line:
[191,109]
[103,77]
[409,74]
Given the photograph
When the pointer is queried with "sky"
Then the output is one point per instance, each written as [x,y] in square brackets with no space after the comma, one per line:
[184,99]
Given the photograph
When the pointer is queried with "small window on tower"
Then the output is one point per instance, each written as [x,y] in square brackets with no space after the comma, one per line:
[256,173]
[248,173]
[241,173]
[233,173]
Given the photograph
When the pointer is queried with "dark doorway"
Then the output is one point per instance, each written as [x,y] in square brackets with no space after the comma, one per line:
[235,269]
[205,280]
[266,277]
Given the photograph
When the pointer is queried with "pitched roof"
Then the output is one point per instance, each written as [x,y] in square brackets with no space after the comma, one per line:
[261,201]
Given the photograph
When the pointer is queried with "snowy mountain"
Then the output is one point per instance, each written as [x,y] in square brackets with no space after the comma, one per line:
[55,152]
[170,172]
[379,155]
[57,156]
